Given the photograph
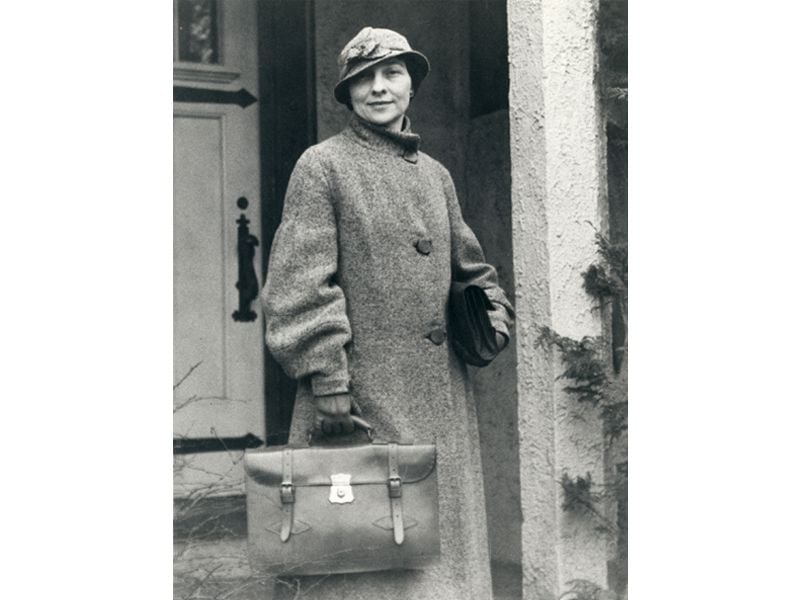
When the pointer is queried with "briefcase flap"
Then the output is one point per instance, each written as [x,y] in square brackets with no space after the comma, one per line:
[367,464]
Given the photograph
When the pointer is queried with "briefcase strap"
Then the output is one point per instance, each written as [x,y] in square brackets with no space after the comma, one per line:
[395,495]
[287,496]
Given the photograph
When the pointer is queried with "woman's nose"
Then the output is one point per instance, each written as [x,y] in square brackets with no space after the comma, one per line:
[378,85]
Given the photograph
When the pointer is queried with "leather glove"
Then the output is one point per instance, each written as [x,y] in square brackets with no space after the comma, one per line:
[334,414]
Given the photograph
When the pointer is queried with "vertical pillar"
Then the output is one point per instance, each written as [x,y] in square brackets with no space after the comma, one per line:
[556,188]
[574,199]
[535,413]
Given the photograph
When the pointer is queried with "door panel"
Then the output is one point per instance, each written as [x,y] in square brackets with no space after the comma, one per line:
[218,361]
[198,255]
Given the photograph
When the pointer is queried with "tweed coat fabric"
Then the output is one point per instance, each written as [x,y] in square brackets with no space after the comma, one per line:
[355,299]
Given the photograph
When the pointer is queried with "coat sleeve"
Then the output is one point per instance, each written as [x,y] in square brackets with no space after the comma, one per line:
[468,264]
[306,319]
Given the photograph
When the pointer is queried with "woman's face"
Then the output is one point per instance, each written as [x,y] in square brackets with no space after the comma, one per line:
[381,94]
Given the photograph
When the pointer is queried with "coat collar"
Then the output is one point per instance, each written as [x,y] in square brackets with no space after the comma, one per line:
[402,143]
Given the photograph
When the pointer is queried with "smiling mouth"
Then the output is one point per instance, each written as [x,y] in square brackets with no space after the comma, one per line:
[381,103]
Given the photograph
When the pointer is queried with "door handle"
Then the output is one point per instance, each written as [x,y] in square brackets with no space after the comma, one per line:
[247,285]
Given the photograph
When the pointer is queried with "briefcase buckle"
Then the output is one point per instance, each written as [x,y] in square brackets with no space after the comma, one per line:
[287,493]
[395,487]
[341,492]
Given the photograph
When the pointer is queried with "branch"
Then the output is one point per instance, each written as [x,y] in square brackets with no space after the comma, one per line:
[189,372]
[195,398]
[201,582]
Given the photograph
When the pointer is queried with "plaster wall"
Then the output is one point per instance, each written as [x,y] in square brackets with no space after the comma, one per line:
[575,199]
[556,189]
[538,498]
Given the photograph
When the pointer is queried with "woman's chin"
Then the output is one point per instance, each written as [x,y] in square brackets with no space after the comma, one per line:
[385,120]
[381,117]
[381,120]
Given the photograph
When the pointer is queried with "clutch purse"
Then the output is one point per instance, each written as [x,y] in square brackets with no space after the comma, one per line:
[470,329]
[342,509]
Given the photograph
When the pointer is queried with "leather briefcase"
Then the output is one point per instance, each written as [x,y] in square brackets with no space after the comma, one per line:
[342,509]
[471,331]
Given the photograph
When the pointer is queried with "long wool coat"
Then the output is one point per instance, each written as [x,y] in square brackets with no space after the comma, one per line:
[355,299]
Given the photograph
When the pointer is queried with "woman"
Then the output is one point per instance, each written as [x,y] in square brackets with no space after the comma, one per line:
[356,300]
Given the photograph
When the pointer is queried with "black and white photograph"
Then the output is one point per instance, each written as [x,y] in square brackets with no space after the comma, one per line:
[365,263]
[400,299]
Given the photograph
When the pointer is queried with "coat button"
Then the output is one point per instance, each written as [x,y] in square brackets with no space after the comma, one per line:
[437,336]
[424,246]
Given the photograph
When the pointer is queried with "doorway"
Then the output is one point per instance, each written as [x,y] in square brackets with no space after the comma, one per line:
[218,385]
[243,92]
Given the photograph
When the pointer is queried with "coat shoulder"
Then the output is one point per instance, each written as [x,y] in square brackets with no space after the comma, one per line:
[319,160]
[426,161]
[329,149]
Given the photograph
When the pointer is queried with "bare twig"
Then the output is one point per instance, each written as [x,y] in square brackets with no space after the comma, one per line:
[189,372]
[194,399]
[201,582]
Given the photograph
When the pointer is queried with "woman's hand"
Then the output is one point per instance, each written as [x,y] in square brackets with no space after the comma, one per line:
[501,340]
[333,414]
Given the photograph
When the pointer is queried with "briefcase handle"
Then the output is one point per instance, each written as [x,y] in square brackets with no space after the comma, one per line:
[357,421]
[364,426]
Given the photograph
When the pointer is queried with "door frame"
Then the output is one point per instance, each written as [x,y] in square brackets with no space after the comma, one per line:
[288,123]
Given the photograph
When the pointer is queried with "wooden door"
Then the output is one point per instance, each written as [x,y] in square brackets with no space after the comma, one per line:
[218,359]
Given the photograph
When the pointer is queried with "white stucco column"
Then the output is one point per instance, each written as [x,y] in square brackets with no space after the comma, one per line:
[556,159]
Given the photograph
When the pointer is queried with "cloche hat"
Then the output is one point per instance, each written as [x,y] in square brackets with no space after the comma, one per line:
[371,46]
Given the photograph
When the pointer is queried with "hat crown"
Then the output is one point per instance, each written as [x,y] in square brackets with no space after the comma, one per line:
[370,44]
